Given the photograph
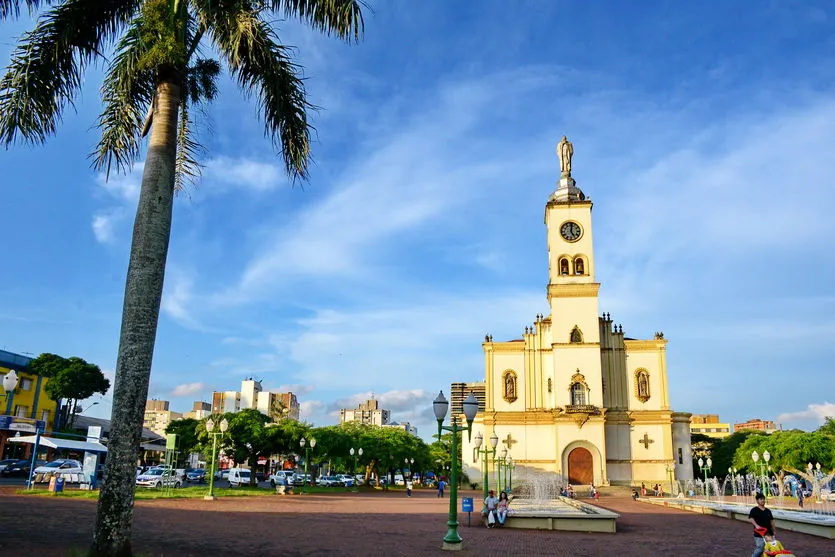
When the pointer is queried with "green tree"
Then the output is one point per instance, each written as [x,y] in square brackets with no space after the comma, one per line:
[72,379]
[250,437]
[828,427]
[187,439]
[157,70]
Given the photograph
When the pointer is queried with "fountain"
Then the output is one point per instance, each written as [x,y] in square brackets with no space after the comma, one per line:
[537,504]
[733,497]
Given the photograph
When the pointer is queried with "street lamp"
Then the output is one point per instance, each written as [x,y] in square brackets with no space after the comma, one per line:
[453,541]
[671,468]
[355,458]
[732,473]
[762,466]
[10,381]
[705,468]
[501,464]
[210,428]
[303,443]
[486,451]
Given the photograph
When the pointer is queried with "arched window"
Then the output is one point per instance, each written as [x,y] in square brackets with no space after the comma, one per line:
[642,392]
[576,335]
[563,266]
[579,266]
[578,394]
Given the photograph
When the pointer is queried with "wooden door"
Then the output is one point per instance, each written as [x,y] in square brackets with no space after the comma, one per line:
[580,467]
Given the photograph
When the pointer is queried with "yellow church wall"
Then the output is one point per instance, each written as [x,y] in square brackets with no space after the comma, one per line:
[501,362]
[652,361]
[566,313]
[555,215]
[568,362]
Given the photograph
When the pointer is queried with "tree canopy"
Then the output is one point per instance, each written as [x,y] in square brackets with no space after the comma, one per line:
[73,379]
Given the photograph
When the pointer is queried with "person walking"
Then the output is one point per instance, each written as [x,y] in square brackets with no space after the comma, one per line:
[408,488]
[441,486]
[799,489]
[763,522]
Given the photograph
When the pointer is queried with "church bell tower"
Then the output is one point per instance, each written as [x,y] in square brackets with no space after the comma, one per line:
[572,290]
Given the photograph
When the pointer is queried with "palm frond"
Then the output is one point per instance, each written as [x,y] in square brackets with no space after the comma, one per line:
[11,8]
[187,168]
[264,67]
[342,18]
[127,92]
[46,67]
[201,80]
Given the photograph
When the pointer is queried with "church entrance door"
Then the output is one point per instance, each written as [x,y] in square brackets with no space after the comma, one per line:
[580,467]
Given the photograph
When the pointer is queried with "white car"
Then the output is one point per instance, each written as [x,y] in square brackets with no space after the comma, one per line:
[158,477]
[63,466]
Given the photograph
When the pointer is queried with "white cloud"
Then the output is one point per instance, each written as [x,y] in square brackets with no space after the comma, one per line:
[187,389]
[814,412]
[124,187]
[103,225]
[244,173]
[296,388]
[310,410]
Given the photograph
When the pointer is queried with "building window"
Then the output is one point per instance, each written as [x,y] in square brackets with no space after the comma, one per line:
[680,456]
[21,411]
[563,266]
[578,394]
[26,384]
[579,266]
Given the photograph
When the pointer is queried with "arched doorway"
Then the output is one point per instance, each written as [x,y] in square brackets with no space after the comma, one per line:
[580,467]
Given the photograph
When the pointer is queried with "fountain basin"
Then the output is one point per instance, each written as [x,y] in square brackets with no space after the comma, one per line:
[561,513]
[795,521]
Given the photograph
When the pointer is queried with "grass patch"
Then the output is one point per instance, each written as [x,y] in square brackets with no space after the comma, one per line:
[146,493]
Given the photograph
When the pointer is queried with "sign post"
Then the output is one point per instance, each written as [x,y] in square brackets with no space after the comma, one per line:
[467,507]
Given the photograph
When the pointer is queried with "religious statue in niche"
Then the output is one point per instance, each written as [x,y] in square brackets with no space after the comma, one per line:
[576,335]
[550,385]
[509,386]
[642,385]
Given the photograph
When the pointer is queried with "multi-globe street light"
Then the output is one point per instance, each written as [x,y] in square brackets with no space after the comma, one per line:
[764,467]
[359,452]
[303,443]
[452,540]
[705,468]
[10,381]
[211,430]
[486,452]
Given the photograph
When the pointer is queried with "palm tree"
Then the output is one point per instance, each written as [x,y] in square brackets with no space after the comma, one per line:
[154,80]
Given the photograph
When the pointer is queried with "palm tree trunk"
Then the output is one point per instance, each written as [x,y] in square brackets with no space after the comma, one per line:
[143,294]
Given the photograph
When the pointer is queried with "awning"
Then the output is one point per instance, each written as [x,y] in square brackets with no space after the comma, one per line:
[53,443]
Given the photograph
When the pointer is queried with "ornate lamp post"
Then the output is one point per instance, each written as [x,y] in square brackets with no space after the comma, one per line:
[501,465]
[10,381]
[452,541]
[486,452]
[510,467]
[705,468]
[211,430]
[303,444]
[763,466]
[732,474]
[670,469]
[356,459]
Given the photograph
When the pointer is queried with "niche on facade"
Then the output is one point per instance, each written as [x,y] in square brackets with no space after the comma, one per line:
[563,266]
[509,385]
[550,385]
[576,336]
[642,385]
[579,266]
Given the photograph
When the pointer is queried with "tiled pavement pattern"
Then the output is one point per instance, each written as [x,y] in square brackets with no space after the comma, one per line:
[365,524]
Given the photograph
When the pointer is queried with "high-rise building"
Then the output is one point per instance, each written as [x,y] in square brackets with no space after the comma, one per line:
[158,416]
[406,426]
[253,396]
[368,412]
[459,393]
[199,411]
[709,424]
[758,425]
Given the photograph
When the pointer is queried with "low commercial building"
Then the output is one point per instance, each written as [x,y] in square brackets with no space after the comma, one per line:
[27,408]
[709,424]
[757,424]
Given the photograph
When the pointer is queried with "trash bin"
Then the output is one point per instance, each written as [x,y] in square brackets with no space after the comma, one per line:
[94,481]
[59,485]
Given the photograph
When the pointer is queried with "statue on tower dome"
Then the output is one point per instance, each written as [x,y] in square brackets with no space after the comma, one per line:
[565,150]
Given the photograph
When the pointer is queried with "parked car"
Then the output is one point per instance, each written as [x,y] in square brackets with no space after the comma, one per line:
[195,475]
[221,474]
[158,477]
[238,477]
[347,480]
[63,466]
[300,479]
[20,468]
[5,463]
[280,477]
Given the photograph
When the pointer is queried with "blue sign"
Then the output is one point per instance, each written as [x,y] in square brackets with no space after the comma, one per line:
[467,504]
[24,425]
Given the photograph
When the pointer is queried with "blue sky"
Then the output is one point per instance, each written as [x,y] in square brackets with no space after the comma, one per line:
[703,133]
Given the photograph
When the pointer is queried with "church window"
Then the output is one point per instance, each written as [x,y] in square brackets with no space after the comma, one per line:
[550,385]
[579,266]
[576,335]
[563,266]
[642,391]
[509,385]
[578,394]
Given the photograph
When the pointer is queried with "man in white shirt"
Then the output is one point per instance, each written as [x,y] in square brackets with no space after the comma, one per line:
[490,504]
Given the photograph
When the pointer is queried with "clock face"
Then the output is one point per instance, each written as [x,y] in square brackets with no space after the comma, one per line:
[571,231]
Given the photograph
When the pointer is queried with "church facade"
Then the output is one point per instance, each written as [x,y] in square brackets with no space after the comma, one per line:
[575,396]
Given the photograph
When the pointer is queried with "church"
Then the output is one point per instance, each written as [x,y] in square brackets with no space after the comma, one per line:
[575,396]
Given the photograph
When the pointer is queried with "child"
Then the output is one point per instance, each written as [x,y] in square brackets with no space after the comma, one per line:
[774,547]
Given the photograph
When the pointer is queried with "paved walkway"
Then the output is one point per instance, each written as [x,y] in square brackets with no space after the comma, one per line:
[364,524]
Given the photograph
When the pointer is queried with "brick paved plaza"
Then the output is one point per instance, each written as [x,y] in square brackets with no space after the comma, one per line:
[368,523]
